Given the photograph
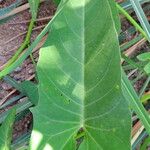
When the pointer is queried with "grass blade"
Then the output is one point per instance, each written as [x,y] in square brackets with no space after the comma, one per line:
[130,94]
[127,5]
[141,16]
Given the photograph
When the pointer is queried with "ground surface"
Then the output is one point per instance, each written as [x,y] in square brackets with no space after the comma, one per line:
[12,34]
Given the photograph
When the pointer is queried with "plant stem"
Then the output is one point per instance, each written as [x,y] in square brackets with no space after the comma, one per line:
[33,61]
[137,26]
[23,45]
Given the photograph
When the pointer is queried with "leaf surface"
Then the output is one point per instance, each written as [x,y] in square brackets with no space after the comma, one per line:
[6,131]
[80,82]
[144,56]
[31,91]
[56,1]
[34,7]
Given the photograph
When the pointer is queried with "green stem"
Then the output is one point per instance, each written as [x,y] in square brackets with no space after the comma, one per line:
[23,45]
[137,26]
[33,61]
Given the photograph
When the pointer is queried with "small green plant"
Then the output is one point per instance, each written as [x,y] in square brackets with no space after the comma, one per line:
[83,99]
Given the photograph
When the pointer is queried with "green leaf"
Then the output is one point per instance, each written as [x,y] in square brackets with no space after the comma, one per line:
[145,97]
[6,131]
[115,15]
[146,144]
[13,83]
[34,4]
[80,82]
[147,68]
[27,88]
[31,91]
[56,1]
[144,56]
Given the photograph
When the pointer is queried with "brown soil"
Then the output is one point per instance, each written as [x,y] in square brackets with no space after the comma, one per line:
[5,3]
[8,46]
[9,43]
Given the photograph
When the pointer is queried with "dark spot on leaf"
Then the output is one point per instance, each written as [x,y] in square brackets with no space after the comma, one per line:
[67,101]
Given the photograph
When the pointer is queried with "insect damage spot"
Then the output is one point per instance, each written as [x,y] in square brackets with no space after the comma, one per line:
[66,101]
